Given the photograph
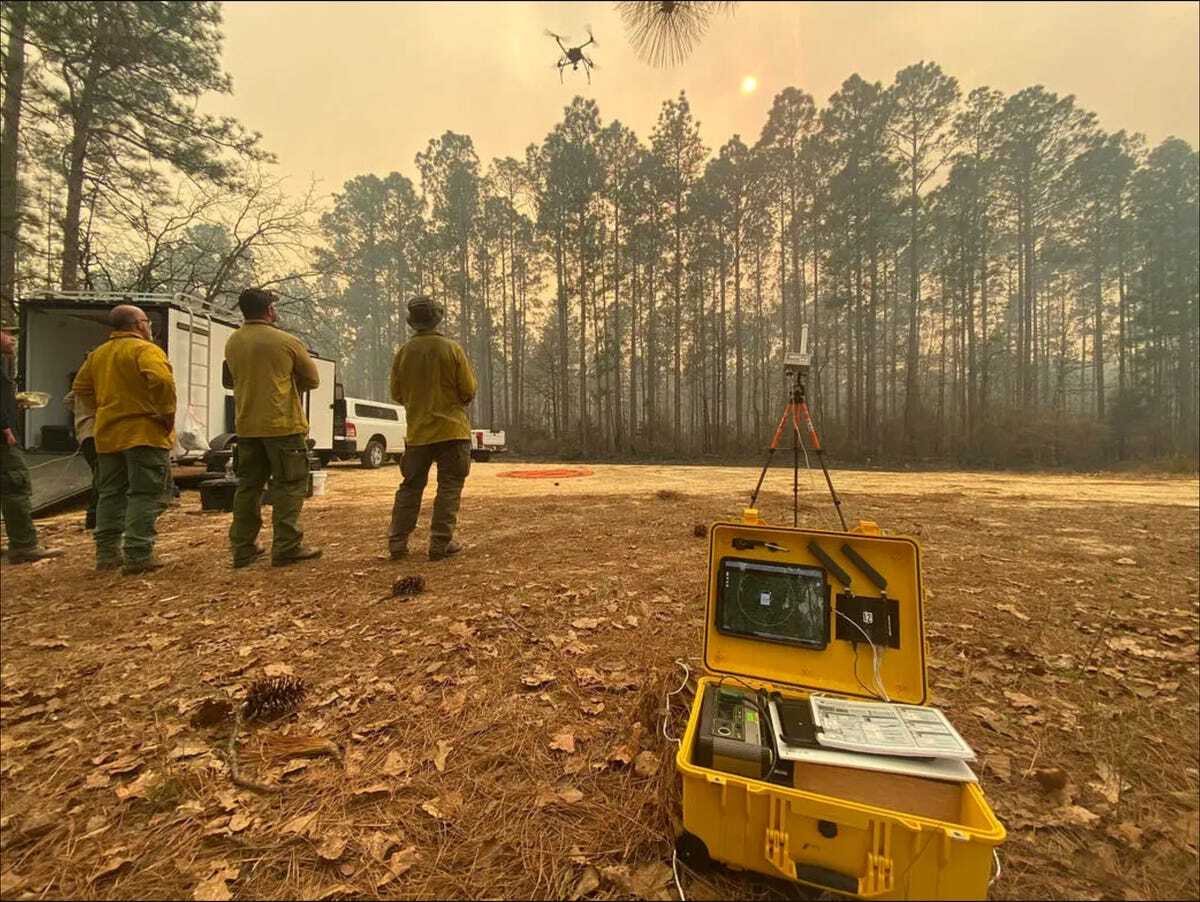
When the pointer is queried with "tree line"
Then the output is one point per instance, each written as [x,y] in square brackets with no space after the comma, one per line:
[987,279]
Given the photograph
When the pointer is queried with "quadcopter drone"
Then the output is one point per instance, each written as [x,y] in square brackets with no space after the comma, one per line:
[573,56]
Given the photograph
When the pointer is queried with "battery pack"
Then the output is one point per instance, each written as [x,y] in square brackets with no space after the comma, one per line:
[732,737]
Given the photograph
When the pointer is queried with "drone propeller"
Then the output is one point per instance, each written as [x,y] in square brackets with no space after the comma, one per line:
[550,34]
[591,37]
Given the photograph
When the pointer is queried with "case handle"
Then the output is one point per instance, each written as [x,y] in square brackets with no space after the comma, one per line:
[876,881]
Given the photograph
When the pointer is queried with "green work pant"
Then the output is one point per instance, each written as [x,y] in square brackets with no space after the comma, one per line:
[15,493]
[284,461]
[453,461]
[130,485]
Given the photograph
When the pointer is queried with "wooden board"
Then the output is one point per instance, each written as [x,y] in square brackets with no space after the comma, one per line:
[934,799]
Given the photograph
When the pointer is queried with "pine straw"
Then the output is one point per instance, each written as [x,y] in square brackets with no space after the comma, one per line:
[539,564]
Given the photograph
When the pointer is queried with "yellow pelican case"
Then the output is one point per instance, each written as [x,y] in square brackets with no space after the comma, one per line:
[850,831]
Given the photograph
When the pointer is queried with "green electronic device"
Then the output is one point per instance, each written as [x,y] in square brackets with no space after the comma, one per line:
[732,737]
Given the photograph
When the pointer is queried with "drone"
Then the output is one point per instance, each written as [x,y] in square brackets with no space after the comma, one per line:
[573,56]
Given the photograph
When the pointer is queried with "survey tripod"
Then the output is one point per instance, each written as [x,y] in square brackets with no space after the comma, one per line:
[796,366]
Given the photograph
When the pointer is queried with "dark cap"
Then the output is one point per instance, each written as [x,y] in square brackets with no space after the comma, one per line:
[424,312]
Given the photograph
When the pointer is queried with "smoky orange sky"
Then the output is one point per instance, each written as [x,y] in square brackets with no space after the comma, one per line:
[343,89]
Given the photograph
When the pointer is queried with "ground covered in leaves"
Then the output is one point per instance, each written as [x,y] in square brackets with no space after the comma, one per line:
[496,729]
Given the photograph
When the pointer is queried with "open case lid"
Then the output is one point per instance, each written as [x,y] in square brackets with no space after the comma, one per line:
[778,610]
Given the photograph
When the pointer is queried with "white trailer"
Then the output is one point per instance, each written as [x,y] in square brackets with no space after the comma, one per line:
[59,329]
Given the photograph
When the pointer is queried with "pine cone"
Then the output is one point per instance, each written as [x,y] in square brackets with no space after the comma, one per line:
[408,585]
[274,697]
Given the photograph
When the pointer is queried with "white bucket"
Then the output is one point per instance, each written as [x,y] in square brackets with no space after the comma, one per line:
[318,482]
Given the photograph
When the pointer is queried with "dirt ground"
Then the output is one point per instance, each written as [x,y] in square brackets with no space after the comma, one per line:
[500,735]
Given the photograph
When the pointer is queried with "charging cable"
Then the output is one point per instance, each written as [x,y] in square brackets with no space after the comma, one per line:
[687,675]
[875,654]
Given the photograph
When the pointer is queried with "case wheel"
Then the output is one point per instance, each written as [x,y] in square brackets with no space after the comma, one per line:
[691,850]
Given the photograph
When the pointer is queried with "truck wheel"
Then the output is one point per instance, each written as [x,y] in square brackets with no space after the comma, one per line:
[374,455]
[481,455]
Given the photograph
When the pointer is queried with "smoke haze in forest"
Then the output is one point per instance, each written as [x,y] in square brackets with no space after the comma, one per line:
[343,88]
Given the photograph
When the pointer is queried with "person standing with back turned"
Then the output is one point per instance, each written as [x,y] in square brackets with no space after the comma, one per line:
[129,383]
[268,369]
[432,378]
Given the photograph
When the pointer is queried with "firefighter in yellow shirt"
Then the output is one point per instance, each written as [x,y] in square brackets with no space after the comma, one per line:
[268,369]
[432,378]
[129,383]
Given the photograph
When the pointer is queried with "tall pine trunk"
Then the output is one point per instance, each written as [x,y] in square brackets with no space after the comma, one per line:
[10,199]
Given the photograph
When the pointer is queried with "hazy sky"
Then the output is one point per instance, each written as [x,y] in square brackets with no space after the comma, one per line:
[342,89]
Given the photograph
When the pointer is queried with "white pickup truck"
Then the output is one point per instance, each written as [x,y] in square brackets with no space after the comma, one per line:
[485,443]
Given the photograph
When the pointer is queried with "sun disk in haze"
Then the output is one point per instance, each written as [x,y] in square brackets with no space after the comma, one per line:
[749,83]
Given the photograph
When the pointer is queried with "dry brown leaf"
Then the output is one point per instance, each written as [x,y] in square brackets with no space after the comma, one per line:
[563,742]
[1110,784]
[593,707]
[453,703]
[1127,833]
[445,806]
[372,792]
[396,765]
[338,889]
[621,756]
[1126,562]
[187,751]
[110,867]
[645,764]
[379,844]
[1012,609]
[240,822]
[1022,702]
[300,825]
[587,623]
[278,669]
[570,795]
[397,865]
[218,826]
[138,788]
[1000,765]
[97,780]
[332,847]
[294,766]
[216,887]
[439,757]
[1075,816]
[619,876]
[123,765]
[650,881]
[228,800]
[537,679]
[588,883]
